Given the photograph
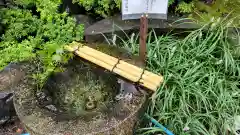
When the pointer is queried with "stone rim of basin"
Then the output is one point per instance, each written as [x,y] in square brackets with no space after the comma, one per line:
[38,121]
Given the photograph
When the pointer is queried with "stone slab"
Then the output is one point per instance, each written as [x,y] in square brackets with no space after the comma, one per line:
[116,25]
[107,25]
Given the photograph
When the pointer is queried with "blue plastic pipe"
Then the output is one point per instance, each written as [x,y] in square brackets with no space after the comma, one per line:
[156,123]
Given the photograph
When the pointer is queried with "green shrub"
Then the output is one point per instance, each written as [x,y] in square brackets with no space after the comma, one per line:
[101,7]
[170,2]
[220,8]
[24,3]
[184,7]
[106,8]
[40,37]
[16,39]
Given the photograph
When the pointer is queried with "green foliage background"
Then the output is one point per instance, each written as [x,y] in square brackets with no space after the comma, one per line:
[28,36]
[220,8]
[195,8]
[103,8]
[106,8]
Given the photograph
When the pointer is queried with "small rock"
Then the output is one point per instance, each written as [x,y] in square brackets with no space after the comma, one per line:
[119,96]
[129,96]
[51,108]
[43,99]
[41,95]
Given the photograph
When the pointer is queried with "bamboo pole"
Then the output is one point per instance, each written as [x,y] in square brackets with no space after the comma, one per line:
[122,64]
[130,72]
[115,70]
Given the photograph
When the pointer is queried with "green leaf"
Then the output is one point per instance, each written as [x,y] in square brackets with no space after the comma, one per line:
[56,58]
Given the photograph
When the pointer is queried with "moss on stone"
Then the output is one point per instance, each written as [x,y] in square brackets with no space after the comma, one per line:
[83,91]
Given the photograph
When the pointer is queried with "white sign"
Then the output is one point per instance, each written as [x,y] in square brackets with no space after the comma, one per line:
[134,9]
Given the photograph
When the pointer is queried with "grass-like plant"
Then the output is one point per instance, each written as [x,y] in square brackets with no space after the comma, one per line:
[200,94]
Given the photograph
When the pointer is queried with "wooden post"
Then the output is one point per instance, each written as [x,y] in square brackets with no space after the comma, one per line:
[143,38]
